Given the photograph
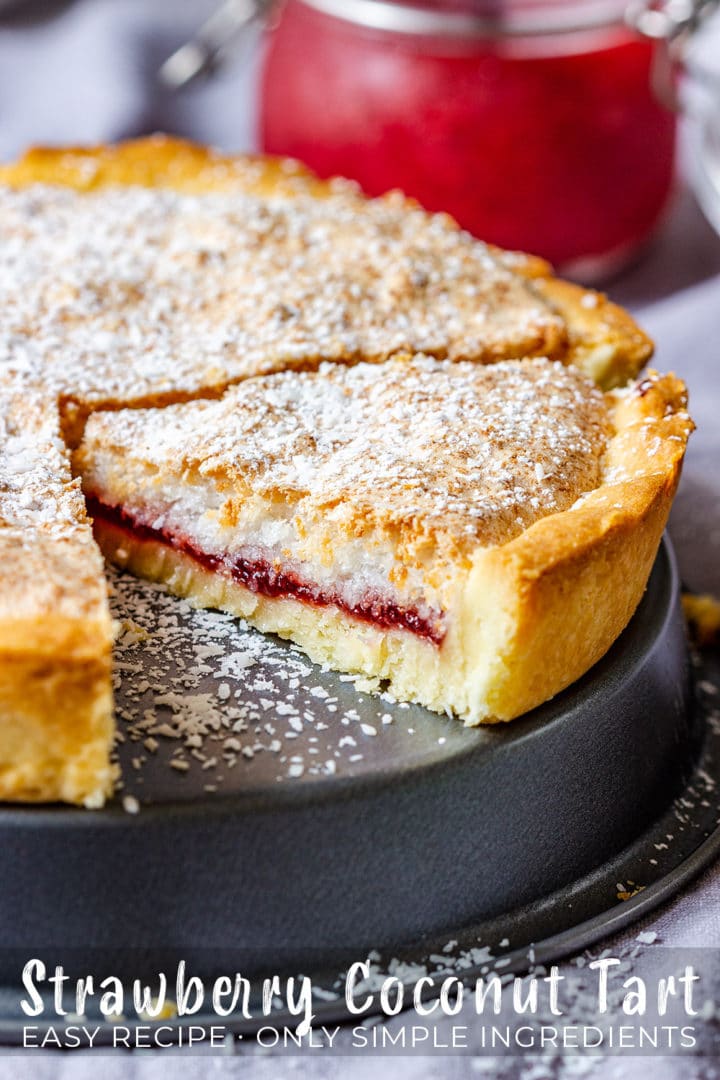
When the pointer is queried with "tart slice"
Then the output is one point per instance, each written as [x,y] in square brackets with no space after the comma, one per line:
[56,722]
[476,536]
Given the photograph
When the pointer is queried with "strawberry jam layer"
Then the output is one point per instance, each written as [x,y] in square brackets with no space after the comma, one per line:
[261,576]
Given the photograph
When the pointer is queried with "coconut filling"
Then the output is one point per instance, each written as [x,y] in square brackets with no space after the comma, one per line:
[384,494]
[357,580]
[264,553]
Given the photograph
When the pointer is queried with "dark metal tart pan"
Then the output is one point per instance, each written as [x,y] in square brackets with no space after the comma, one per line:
[517,831]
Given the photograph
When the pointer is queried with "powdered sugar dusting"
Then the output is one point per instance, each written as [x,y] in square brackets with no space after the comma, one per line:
[51,566]
[438,456]
[124,292]
[36,486]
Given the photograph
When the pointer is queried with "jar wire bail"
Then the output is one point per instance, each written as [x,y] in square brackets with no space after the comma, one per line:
[674,24]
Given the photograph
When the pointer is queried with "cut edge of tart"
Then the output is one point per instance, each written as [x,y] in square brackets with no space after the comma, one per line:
[382,519]
[55,628]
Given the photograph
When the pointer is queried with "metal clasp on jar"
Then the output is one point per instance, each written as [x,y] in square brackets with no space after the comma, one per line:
[215,40]
[673,24]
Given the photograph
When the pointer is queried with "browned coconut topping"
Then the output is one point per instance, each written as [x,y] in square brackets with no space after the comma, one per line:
[440,457]
[36,487]
[49,559]
[127,292]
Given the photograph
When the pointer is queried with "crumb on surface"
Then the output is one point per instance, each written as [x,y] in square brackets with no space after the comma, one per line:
[702,612]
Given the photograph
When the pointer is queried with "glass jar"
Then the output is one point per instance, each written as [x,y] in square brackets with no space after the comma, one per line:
[533,122]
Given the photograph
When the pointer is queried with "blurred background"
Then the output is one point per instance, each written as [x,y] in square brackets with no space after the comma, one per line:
[547,125]
[87,71]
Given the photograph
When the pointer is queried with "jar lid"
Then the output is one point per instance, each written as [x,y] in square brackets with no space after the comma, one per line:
[474,18]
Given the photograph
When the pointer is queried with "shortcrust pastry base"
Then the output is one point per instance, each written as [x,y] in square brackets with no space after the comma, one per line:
[526,619]
[56,731]
[56,634]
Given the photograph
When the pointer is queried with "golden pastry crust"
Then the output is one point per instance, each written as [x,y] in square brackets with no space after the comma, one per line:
[57,733]
[572,582]
[55,628]
[164,161]
[604,340]
[702,613]
[527,606]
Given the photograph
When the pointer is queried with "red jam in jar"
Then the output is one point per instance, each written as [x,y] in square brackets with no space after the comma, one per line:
[534,123]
